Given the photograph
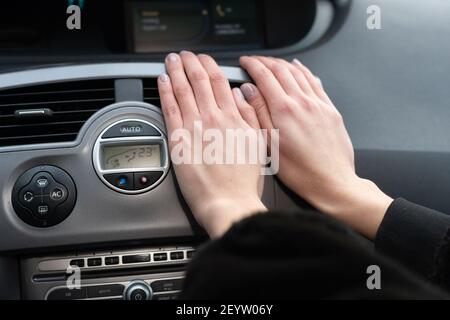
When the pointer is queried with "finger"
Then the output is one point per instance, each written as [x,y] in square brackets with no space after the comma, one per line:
[169,105]
[265,80]
[314,83]
[181,87]
[219,83]
[283,75]
[299,77]
[247,112]
[254,97]
[199,80]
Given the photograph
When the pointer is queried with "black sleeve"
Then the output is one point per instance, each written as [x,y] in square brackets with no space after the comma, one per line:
[419,238]
[292,256]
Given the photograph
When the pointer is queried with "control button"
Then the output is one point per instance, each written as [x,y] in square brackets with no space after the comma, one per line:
[77,263]
[138,294]
[94,262]
[137,258]
[177,255]
[165,296]
[144,180]
[57,194]
[28,196]
[42,211]
[131,129]
[138,290]
[122,181]
[160,256]
[190,253]
[167,285]
[42,182]
[67,294]
[44,196]
[111,290]
[111,261]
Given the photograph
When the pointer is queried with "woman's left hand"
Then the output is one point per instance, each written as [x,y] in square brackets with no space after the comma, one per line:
[196,91]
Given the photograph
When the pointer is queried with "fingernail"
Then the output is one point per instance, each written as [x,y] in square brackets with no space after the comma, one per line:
[164,78]
[184,52]
[172,57]
[248,90]
[297,62]
[239,95]
[319,81]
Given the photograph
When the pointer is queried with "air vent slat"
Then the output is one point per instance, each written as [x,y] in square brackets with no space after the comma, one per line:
[58,102]
[71,103]
[40,136]
[25,125]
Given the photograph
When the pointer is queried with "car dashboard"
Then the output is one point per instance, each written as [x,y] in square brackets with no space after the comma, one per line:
[85,175]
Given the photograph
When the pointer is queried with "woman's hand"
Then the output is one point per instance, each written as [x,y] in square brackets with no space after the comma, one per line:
[316,153]
[196,91]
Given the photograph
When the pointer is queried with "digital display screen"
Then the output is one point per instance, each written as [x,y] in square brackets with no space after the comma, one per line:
[193,24]
[129,157]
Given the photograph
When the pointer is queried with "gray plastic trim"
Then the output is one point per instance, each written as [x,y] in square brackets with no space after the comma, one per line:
[96,71]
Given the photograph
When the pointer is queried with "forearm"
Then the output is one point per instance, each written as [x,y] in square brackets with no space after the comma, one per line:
[219,215]
[358,203]
[418,237]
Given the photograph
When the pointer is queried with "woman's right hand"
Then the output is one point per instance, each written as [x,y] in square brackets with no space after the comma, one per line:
[316,153]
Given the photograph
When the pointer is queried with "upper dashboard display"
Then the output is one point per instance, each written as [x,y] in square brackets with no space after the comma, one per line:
[156,26]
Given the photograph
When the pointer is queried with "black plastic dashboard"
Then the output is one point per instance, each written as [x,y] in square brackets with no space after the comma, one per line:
[151,26]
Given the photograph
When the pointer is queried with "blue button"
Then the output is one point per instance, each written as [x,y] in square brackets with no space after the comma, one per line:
[123,181]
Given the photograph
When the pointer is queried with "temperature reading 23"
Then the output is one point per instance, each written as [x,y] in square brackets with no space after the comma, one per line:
[125,157]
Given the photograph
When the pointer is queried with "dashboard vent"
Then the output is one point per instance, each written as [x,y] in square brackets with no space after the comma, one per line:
[151,94]
[50,113]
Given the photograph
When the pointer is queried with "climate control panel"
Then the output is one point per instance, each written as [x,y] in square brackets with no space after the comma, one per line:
[131,156]
[44,196]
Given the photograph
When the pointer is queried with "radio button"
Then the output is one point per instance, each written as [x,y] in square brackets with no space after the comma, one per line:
[109,261]
[167,285]
[77,263]
[111,290]
[67,294]
[138,290]
[137,258]
[160,257]
[165,296]
[94,262]
[177,255]
[190,254]
[131,129]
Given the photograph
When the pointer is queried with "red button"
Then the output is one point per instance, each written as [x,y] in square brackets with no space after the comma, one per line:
[143,180]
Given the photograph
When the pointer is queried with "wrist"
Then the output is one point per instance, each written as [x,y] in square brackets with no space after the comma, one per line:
[218,215]
[359,204]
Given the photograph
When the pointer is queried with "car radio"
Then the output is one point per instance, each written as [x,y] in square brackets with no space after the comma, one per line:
[131,156]
[155,273]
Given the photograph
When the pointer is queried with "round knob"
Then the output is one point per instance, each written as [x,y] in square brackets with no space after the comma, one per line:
[138,290]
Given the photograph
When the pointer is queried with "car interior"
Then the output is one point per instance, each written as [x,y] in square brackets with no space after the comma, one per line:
[85,175]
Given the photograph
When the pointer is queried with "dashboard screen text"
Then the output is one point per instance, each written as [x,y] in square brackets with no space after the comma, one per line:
[194,24]
[130,157]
